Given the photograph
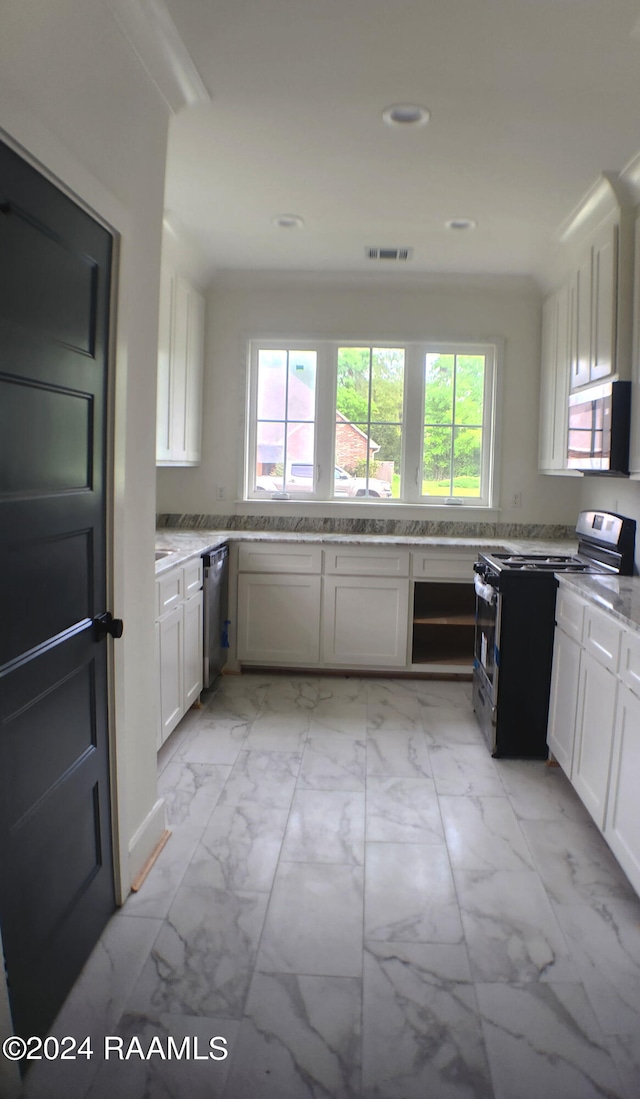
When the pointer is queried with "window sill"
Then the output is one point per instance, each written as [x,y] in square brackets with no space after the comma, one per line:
[336,508]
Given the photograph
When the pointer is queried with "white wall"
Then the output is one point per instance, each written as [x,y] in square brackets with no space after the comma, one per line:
[76,99]
[183,254]
[240,306]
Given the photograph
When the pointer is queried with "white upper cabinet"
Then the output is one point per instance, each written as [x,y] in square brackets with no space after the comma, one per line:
[580,323]
[163,407]
[587,322]
[554,382]
[594,307]
[180,369]
[604,298]
[634,449]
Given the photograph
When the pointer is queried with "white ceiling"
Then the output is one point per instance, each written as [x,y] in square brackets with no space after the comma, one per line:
[530,101]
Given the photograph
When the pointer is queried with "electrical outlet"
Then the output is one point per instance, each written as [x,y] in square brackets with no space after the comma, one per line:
[516,500]
[220,494]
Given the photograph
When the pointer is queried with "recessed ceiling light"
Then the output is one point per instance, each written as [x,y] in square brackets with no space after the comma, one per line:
[288,221]
[459,224]
[406,114]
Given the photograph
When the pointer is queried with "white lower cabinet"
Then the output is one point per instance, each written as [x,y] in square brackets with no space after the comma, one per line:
[171,644]
[622,829]
[179,640]
[563,700]
[594,720]
[303,605]
[279,618]
[365,621]
[193,638]
[594,735]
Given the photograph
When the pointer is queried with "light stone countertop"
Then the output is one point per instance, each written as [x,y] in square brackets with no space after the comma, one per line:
[186,544]
[619,595]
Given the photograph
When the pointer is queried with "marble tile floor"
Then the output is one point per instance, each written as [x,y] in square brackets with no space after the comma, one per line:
[363,904]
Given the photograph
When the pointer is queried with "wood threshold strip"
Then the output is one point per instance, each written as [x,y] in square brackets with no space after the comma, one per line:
[135,885]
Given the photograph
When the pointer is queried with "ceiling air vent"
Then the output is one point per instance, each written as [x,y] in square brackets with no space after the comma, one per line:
[394,254]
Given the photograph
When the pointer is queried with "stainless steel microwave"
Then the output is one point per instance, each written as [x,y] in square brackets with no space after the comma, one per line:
[598,430]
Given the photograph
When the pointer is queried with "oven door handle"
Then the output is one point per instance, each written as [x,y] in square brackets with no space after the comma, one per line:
[485,591]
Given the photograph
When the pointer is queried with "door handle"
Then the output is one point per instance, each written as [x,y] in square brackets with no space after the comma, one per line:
[106,623]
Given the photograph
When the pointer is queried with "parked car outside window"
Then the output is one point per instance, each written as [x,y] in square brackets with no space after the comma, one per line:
[376,487]
[300,479]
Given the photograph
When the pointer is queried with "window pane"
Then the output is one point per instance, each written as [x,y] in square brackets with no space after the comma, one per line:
[300,458]
[469,389]
[369,411]
[467,461]
[269,457]
[352,394]
[350,453]
[272,384]
[436,473]
[301,403]
[387,384]
[383,482]
[438,395]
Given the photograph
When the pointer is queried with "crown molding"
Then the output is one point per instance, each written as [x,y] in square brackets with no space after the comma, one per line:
[607,195]
[154,38]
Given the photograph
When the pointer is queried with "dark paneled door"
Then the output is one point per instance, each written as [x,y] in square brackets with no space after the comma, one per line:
[56,871]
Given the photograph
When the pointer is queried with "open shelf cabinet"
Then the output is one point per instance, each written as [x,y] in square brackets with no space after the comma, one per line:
[443,624]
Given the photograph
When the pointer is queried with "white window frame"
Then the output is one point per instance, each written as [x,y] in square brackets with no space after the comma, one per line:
[413,411]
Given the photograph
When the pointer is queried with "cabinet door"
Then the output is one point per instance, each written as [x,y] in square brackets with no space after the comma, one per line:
[581,323]
[634,455]
[594,740]
[554,381]
[629,667]
[180,368]
[193,609]
[365,621]
[163,432]
[279,618]
[623,809]
[171,646]
[178,389]
[563,702]
[194,371]
[562,376]
[547,384]
[604,299]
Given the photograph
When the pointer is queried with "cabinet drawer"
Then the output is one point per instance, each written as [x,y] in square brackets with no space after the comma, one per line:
[192,577]
[279,558]
[570,614]
[602,638]
[629,670]
[438,564]
[366,561]
[169,591]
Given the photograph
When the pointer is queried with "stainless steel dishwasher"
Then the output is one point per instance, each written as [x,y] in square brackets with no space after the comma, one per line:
[216,623]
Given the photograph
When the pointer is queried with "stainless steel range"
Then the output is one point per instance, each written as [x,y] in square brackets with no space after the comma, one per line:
[515,619]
